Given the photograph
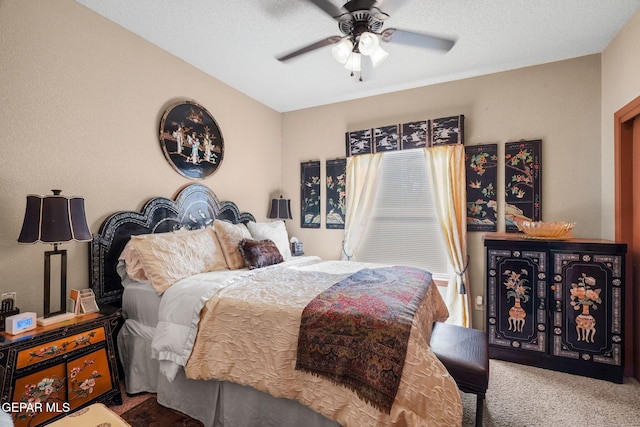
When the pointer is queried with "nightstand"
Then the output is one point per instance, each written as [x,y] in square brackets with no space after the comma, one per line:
[59,368]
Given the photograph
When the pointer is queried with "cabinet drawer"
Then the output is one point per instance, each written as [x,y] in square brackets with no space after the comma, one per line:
[58,347]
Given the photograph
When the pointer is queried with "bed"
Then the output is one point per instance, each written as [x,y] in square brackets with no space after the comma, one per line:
[237,346]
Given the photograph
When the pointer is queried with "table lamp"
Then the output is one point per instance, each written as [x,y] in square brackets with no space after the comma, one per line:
[280,208]
[54,219]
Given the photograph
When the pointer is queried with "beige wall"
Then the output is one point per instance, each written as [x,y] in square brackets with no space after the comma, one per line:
[558,103]
[81,101]
[620,85]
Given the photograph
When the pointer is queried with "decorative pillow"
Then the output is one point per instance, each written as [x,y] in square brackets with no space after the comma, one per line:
[259,254]
[274,231]
[229,236]
[169,257]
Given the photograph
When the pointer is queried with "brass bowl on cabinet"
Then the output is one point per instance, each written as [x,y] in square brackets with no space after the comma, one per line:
[546,230]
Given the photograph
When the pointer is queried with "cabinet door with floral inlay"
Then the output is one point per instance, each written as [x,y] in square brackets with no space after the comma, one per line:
[88,378]
[39,394]
[516,299]
[588,305]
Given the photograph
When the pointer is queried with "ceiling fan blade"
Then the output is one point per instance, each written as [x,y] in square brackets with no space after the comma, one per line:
[417,39]
[382,9]
[329,8]
[309,48]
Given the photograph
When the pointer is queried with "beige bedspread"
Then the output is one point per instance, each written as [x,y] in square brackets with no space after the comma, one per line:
[248,335]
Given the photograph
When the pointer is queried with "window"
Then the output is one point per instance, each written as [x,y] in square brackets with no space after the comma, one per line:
[403,228]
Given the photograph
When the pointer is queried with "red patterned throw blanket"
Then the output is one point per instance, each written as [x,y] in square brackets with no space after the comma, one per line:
[356,332]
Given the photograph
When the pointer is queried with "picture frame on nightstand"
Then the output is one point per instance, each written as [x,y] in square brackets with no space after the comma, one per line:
[73,302]
[88,302]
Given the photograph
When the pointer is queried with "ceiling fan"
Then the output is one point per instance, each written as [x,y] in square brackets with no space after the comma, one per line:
[360,22]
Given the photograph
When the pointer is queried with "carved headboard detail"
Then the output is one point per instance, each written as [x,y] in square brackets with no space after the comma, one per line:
[196,206]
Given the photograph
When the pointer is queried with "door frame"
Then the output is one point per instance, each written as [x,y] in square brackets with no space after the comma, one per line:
[623,172]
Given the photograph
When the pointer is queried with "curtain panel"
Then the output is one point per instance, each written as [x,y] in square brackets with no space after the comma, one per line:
[361,187]
[446,170]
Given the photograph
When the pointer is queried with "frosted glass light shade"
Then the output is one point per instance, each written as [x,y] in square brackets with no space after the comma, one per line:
[354,63]
[342,51]
[368,43]
[378,56]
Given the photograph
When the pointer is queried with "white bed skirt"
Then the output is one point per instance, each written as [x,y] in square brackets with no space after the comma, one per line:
[141,372]
[214,403]
[225,404]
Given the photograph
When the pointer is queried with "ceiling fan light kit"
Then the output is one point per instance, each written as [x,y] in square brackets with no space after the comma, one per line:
[342,51]
[354,63]
[369,45]
[361,21]
[378,57]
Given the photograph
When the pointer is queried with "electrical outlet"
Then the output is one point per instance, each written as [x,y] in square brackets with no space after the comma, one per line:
[479,302]
[8,301]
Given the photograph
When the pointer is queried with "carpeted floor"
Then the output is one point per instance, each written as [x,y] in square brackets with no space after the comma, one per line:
[518,395]
[525,396]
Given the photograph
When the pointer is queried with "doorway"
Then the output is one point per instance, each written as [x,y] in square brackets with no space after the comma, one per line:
[627,222]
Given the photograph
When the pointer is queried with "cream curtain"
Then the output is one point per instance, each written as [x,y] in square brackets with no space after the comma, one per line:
[361,187]
[446,170]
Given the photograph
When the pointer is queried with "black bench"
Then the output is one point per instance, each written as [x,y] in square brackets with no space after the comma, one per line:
[463,351]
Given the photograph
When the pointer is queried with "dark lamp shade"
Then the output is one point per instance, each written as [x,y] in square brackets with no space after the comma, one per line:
[54,219]
[280,208]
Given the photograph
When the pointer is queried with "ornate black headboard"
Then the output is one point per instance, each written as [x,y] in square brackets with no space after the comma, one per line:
[196,206]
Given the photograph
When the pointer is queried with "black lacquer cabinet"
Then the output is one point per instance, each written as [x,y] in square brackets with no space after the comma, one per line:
[556,304]
[53,370]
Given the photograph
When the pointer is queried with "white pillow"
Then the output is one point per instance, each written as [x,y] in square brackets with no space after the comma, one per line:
[274,231]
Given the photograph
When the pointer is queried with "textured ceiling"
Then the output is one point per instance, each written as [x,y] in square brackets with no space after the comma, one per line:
[236,41]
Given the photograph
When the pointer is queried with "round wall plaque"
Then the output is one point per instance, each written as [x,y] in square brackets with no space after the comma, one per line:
[191,140]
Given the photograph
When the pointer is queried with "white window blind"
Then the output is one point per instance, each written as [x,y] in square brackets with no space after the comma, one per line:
[403,228]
